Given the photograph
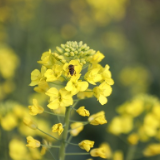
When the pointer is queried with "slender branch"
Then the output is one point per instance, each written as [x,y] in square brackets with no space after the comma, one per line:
[69,139]
[48,134]
[76,101]
[54,114]
[51,154]
[72,143]
[59,120]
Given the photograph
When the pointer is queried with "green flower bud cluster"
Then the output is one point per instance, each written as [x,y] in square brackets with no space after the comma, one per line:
[73,50]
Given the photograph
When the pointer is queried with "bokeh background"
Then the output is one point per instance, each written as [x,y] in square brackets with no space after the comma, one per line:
[127,32]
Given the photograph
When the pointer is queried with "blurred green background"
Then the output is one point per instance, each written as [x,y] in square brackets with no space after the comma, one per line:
[127,32]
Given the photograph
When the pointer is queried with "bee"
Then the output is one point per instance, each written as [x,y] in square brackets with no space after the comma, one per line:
[71,70]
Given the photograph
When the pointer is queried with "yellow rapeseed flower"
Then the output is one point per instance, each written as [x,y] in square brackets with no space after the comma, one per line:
[35,108]
[54,73]
[98,118]
[57,128]
[97,57]
[59,98]
[74,85]
[17,149]
[82,111]
[121,124]
[42,87]
[93,75]
[118,155]
[37,76]
[102,91]
[86,145]
[133,138]
[88,93]
[142,134]
[47,59]
[28,122]
[133,108]
[152,150]
[8,62]
[9,122]
[151,124]
[106,75]
[103,151]
[76,128]
[35,153]
[156,110]
[32,143]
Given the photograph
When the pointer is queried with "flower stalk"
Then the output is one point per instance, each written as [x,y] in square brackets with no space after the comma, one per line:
[62,80]
[65,133]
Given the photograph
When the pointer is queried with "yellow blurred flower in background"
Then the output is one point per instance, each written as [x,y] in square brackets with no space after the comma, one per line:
[9,61]
[18,150]
[121,124]
[136,78]
[104,151]
[76,128]
[152,150]
[118,155]
[9,121]
[35,108]
[133,138]
[28,122]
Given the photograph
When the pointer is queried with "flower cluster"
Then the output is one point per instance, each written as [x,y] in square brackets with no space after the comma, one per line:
[64,66]
[139,118]
[12,117]
[63,79]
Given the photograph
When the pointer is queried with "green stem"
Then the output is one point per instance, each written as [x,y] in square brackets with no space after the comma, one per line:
[65,132]
[72,154]
[47,134]
[131,152]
